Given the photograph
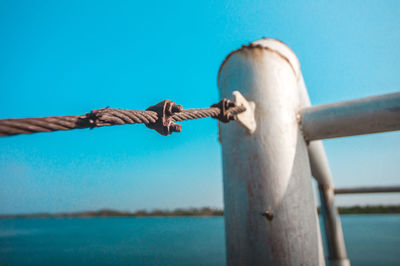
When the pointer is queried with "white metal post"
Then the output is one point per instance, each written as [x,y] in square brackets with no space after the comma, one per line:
[270,214]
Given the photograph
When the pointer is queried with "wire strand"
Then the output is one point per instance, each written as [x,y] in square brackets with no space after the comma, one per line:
[103,117]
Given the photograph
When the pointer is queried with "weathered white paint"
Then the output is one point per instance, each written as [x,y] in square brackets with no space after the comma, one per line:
[267,172]
[349,118]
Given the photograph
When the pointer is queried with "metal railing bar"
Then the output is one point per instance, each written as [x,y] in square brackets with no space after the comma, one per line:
[357,190]
[350,118]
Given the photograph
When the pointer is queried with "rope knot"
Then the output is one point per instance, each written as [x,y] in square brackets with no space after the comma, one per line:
[165,125]
[225,107]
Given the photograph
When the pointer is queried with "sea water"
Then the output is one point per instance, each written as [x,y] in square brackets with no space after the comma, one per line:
[370,240]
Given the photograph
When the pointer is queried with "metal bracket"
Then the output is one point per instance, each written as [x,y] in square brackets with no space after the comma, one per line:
[165,124]
[246,118]
[224,106]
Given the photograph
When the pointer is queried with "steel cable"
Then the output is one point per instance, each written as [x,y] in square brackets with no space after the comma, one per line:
[111,117]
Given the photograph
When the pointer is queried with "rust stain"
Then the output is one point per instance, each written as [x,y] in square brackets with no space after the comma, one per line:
[268,214]
[299,120]
[257,46]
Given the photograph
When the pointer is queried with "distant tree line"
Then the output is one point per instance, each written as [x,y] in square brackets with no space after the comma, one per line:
[198,212]
[369,209]
[206,211]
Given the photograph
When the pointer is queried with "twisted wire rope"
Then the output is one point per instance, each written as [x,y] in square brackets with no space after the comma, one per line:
[100,118]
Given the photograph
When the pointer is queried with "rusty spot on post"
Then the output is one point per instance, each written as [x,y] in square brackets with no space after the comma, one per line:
[268,214]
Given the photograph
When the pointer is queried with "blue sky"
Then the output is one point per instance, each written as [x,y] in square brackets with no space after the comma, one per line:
[69,57]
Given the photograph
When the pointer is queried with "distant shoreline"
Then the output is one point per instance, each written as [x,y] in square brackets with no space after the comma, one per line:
[190,212]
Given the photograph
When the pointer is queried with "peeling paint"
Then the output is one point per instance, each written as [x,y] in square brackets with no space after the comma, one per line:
[257,46]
